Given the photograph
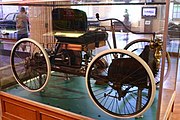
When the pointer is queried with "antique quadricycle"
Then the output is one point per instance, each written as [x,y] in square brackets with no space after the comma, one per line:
[118,81]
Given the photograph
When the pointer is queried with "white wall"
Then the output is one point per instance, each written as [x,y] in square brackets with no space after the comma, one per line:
[6,9]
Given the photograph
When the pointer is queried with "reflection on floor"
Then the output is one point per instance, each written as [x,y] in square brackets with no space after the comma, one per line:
[71,95]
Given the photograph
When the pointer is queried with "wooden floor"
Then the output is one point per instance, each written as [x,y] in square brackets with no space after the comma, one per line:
[176,110]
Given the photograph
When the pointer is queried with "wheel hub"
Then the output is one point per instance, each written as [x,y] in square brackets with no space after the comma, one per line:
[120,89]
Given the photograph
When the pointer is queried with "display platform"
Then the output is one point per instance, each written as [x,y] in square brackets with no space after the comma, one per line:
[72,95]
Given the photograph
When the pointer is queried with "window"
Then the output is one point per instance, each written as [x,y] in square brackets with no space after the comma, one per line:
[10,17]
[176,11]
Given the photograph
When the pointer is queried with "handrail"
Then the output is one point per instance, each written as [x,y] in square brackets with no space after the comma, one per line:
[115,19]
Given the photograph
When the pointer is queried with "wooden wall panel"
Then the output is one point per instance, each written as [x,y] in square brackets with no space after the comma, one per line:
[4,118]
[45,116]
[14,109]
[17,108]
[0,105]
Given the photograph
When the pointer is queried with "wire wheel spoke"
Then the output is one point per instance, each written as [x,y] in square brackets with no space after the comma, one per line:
[123,88]
[137,46]
[30,67]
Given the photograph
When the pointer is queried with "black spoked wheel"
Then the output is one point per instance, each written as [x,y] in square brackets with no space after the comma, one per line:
[30,65]
[124,88]
[137,47]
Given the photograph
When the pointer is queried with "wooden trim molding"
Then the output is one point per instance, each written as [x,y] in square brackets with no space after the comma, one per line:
[0,109]
[167,104]
[16,108]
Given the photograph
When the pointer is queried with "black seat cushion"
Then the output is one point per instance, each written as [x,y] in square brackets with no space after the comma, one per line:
[86,38]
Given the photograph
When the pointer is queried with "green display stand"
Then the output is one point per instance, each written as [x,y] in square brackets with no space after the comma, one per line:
[72,95]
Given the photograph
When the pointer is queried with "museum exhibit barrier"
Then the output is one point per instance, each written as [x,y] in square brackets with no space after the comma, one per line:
[114,77]
[33,69]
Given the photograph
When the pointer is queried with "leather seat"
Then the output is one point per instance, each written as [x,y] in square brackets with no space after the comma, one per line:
[70,26]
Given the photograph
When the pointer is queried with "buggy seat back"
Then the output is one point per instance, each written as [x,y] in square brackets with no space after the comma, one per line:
[70,26]
[66,19]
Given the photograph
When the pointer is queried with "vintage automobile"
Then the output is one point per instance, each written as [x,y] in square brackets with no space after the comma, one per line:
[120,82]
[9,22]
[174,30]
[8,26]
